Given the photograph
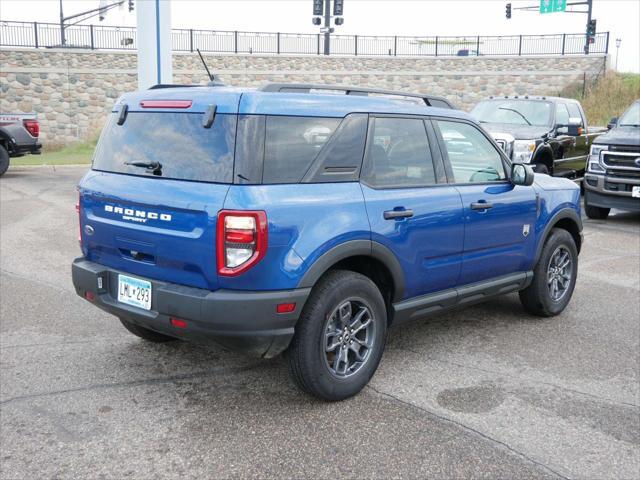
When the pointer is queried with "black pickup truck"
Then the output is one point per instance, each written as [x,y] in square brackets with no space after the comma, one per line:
[613,170]
[19,134]
[550,133]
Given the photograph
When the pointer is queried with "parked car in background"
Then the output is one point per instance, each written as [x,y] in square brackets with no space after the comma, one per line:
[549,133]
[613,170]
[282,220]
[18,136]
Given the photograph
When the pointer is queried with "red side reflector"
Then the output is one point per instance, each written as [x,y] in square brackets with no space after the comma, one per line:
[166,103]
[178,322]
[285,307]
[89,296]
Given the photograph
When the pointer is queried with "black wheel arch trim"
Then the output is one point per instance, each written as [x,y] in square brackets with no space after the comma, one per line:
[356,248]
[542,151]
[560,215]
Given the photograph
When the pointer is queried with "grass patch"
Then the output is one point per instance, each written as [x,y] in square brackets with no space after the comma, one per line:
[78,153]
[608,97]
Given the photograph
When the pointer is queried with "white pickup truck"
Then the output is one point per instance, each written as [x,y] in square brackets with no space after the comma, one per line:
[19,134]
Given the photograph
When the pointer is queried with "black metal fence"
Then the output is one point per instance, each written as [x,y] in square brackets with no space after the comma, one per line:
[98,37]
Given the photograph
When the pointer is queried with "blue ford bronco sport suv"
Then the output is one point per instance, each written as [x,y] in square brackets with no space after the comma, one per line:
[291,219]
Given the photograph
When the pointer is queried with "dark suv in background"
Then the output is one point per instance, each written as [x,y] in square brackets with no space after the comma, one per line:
[613,170]
[550,133]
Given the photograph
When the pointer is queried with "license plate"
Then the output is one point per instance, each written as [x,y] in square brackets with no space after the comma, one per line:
[134,291]
[635,192]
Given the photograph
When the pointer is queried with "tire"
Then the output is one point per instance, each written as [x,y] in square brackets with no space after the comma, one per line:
[145,333]
[538,298]
[327,375]
[4,160]
[596,213]
[541,168]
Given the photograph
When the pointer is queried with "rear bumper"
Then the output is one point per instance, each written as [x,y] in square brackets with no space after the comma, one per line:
[239,320]
[20,150]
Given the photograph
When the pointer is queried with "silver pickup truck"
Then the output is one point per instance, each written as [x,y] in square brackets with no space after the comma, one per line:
[18,136]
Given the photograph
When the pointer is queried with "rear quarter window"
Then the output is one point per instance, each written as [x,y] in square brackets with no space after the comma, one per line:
[292,144]
[185,149]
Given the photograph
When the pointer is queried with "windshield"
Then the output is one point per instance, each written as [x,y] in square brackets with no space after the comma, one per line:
[168,145]
[631,117]
[516,112]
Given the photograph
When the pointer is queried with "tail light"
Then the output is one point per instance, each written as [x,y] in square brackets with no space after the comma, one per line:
[32,126]
[241,240]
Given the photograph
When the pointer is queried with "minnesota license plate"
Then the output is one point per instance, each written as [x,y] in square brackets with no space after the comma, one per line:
[635,192]
[134,291]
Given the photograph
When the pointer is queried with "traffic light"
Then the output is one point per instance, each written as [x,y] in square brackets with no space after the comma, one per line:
[508,10]
[317,7]
[591,28]
[338,7]
[339,21]
[130,5]
[317,20]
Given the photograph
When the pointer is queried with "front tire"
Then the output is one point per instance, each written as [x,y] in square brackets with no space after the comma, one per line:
[145,333]
[554,277]
[596,213]
[340,336]
[4,160]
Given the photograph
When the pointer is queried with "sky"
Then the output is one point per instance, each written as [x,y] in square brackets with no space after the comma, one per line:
[372,17]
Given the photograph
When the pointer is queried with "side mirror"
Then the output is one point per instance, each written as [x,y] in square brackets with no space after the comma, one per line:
[521,174]
[612,123]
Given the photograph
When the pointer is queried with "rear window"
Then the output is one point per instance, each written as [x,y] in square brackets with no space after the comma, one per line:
[178,141]
[292,144]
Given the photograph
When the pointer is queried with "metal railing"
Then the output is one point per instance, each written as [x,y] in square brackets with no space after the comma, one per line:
[98,37]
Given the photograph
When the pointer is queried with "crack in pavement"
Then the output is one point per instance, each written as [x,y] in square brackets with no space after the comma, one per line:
[135,383]
[392,397]
[523,379]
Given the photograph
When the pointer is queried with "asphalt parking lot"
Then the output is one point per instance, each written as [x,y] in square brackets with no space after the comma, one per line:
[484,392]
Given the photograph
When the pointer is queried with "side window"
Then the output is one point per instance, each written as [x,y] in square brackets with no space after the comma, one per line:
[562,114]
[398,154]
[292,144]
[574,112]
[472,156]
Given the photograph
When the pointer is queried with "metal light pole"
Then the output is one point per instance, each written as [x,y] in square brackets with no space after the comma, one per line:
[618,42]
[327,27]
[588,38]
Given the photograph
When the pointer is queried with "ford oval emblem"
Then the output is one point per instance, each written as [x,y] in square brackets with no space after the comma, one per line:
[638,162]
[88,229]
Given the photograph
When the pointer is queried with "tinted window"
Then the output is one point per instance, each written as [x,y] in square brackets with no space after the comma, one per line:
[631,117]
[472,156]
[574,112]
[398,154]
[186,150]
[291,145]
[516,112]
[562,114]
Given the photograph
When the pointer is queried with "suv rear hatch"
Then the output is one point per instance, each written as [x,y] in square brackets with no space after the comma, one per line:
[160,175]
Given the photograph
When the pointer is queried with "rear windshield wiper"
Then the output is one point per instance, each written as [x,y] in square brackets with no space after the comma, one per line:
[153,167]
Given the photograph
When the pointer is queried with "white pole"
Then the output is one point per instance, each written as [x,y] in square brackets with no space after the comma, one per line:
[154,43]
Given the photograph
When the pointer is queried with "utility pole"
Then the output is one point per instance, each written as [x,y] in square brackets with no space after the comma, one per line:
[63,40]
[588,37]
[327,27]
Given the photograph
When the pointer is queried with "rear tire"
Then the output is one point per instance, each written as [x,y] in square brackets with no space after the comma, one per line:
[545,297]
[345,311]
[145,333]
[596,213]
[4,160]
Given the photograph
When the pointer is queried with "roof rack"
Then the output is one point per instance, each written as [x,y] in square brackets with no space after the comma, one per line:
[430,100]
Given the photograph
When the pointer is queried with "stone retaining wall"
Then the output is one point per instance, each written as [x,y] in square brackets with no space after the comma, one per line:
[73,90]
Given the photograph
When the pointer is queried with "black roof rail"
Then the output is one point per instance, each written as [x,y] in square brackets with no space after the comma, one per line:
[213,83]
[430,100]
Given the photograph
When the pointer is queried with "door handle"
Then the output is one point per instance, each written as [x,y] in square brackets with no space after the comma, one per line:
[396,214]
[481,206]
